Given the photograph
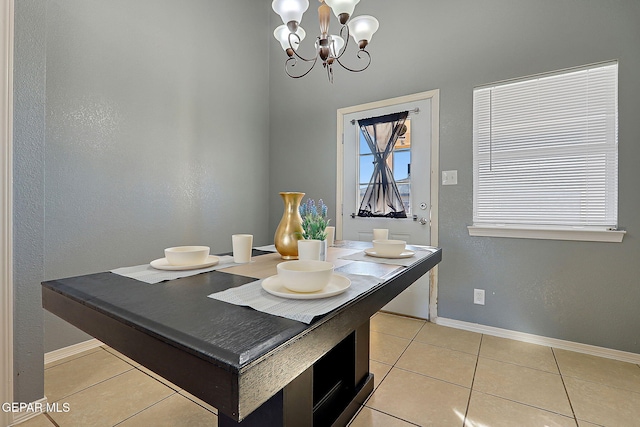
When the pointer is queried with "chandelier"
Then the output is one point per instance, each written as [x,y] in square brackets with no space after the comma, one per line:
[329,47]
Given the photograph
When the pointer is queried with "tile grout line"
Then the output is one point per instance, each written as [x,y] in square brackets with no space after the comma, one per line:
[441,346]
[93,385]
[144,409]
[575,418]
[394,366]
[405,349]
[568,415]
[506,362]
[431,344]
[431,377]
[525,404]
[399,336]
[131,368]
[527,367]
[427,376]
[177,389]
[419,330]
[473,380]
[73,358]
[120,356]
[392,335]
[46,414]
[388,414]
[357,413]
[600,383]
[197,403]
[446,348]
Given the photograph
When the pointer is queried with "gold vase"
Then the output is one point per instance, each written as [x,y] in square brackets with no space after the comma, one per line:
[290,228]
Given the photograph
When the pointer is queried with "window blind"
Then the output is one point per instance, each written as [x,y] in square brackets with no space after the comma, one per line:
[546,150]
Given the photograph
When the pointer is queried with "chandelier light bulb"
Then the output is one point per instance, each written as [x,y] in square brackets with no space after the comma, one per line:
[362,29]
[336,43]
[282,35]
[340,7]
[290,10]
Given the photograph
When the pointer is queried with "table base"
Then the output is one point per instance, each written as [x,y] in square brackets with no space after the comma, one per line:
[329,393]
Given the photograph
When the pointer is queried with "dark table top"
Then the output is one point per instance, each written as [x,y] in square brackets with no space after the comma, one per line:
[233,338]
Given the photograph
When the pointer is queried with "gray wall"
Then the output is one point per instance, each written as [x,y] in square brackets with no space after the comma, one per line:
[157,134]
[576,291]
[149,116]
[28,194]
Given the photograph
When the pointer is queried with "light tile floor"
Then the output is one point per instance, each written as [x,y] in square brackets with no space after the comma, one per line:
[425,374]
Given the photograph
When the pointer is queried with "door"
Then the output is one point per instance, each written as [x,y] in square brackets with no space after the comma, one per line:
[412,165]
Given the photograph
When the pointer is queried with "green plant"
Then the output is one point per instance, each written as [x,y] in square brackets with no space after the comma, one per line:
[314,219]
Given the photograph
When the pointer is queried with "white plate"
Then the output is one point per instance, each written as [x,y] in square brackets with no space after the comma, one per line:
[163,264]
[405,254]
[337,285]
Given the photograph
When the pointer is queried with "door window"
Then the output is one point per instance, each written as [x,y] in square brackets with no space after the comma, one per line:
[384,160]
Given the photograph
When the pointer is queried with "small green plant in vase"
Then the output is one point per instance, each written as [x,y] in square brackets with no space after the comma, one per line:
[314,219]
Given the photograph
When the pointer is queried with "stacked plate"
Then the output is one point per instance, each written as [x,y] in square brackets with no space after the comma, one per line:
[306,280]
[185,258]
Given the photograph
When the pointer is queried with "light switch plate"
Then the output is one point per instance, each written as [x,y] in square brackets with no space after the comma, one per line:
[449,177]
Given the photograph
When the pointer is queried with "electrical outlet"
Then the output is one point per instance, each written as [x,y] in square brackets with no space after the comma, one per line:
[478,296]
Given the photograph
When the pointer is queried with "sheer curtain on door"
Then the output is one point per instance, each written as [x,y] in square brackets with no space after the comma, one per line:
[382,198]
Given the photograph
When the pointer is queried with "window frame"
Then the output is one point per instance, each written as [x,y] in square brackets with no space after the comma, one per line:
[538,231]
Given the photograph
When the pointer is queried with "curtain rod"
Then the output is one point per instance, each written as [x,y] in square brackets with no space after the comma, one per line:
[414,111]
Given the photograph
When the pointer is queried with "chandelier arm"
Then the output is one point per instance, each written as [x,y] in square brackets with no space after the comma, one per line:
[295,52]
[346,41]
[359,57]
[294,60]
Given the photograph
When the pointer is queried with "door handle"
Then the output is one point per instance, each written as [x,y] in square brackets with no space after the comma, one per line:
[423,221]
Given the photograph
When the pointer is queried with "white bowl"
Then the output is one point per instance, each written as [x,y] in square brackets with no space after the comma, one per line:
[305,276]
[186,255]
[389,247]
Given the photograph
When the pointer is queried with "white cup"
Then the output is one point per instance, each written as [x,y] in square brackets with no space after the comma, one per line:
[331,235]
[242,246]
[309,249]
[380,233]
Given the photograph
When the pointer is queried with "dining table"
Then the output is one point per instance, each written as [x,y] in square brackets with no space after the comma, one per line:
[257,367]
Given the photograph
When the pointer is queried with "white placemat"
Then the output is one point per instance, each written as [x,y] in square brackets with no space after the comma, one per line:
[268,248]
[146,273]
[305,311]
[405,262]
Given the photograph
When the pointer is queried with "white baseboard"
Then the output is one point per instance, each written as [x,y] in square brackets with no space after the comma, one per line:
[593,350]
[20,417]
[72,350]
[53,356]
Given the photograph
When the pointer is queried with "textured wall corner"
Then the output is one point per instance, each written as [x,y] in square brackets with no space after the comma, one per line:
[28,196]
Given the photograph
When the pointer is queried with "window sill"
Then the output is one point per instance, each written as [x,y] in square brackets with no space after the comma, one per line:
[559,233]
